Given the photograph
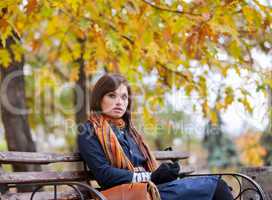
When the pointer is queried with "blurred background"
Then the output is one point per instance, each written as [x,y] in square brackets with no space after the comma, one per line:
[200,71]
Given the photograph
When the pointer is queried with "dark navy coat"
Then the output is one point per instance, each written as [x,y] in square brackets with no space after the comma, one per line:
[199,188]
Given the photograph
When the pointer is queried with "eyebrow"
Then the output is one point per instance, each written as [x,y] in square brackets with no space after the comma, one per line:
[115,93]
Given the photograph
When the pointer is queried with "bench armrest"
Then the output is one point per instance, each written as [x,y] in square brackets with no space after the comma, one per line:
[255,186]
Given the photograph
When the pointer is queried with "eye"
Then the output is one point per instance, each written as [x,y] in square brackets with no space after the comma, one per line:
[112,95]
[124,97]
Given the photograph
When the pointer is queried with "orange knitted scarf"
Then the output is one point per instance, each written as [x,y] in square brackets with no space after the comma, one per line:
[111,145]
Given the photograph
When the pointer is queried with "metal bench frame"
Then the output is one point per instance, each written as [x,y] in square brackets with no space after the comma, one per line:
[256,188]
[95,193]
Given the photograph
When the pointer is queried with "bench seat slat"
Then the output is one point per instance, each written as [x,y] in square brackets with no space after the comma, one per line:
[52,176]
[42,177]
[11,157]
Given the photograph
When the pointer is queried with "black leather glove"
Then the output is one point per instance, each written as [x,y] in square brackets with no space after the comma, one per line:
[166,172]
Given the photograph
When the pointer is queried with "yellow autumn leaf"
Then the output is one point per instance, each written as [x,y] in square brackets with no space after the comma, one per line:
[148,118]
[74,4]
[17,51]
[65,56]
[224,71]
[5,31]
[202,86]
[74,75]
[247,104]
[5,58]
[46,79]
[76,50]
[53,25]
[228,100]
[229,97]
[167,35]
[31,5]
[234,49]
[253,18]
[252,152]
[219,106]
[213,117]
[90,68]
[100,49]
[237,69]
[189,88]
[205,108]
[153,50]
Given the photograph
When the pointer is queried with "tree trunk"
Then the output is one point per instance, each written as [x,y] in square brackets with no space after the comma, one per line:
[269,91]
[81,96]
[13,110]
[267,136]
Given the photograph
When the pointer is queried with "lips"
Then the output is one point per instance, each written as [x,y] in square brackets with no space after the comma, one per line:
[118,109]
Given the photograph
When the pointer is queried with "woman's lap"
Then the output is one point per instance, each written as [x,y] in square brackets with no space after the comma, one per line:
[190,188]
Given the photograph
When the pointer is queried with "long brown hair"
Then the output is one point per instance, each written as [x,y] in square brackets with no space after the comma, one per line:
[108,83]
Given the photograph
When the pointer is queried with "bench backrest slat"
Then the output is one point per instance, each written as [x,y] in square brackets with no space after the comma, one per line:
[13,178]
[11,157]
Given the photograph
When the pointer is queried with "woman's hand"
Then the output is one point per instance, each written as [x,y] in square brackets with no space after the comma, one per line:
[166,172]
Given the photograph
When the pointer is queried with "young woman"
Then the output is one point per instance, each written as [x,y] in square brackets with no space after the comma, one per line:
[116,153]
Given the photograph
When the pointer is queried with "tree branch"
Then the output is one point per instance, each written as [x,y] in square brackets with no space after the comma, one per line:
[171,10]
[173,71]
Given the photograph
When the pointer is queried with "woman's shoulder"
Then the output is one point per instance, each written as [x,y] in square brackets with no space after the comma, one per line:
[85,129]
[87,140]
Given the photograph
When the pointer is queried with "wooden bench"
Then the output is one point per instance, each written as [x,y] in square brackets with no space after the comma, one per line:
[80,181]
[13,179]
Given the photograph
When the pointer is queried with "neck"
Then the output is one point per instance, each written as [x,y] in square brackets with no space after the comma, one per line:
[110,117]
[118,122]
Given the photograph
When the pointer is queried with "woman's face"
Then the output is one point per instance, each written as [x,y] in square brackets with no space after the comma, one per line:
[114,104]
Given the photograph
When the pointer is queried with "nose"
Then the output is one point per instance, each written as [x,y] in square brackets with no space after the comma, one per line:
[119,101]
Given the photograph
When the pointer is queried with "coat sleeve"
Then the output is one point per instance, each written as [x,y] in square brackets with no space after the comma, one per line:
[92,152]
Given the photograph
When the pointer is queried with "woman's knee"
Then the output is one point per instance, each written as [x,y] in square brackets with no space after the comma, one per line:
[222,191]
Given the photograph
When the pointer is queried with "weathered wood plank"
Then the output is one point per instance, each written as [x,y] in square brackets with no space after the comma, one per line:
[51,176]
[37,157]
[166,155]
[43,177]
[10,157]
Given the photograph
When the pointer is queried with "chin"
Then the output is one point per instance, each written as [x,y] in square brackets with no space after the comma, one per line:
[118,116]
[115,115]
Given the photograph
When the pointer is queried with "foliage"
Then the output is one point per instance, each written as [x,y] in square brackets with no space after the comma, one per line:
[252,152]
[122,35]
[135,38]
